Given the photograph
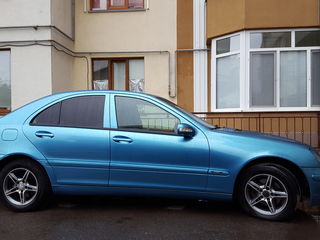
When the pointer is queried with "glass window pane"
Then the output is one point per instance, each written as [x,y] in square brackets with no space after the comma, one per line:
[85,111]
[229,44]
[117,3]
[270,39]
[5,85]
[136,3]
[119,75]
[262,79]
[136,75]
[100,75]
[228,82]
[315,78]
[99,5]
[293,79]
[307,38]
[49,116]
[134,113]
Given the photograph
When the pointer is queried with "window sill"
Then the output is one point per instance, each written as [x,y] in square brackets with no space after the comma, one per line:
[118,10]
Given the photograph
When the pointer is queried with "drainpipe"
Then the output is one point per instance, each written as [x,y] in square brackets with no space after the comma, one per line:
[85,6]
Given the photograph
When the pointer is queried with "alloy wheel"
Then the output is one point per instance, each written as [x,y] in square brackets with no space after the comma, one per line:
[266,194]
[20,186]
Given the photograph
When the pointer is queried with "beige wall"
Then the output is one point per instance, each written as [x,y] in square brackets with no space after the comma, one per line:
[62,15]
[153,29]
[233,15]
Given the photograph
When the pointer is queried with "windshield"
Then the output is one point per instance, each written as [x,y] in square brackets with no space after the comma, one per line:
[189,114]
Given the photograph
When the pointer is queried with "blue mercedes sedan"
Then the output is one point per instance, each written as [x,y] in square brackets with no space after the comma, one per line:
[125,143]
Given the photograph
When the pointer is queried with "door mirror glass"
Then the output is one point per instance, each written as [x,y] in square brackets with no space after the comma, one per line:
[185,130]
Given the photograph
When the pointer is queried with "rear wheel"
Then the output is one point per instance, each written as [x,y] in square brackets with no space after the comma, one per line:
[268,192]
[24,185]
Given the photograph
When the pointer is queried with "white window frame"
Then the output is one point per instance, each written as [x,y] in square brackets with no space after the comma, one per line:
[245,52]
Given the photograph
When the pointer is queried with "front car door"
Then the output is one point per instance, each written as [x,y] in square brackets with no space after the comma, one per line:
[72,135]
[147,153]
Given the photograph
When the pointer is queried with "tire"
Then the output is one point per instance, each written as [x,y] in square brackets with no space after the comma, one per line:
[268,192]
[24,186]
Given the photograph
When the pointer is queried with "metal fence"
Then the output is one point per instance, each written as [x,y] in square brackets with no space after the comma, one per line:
[301,127]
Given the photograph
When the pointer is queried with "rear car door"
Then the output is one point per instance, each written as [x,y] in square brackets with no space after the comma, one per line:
[147,153]
[72,135]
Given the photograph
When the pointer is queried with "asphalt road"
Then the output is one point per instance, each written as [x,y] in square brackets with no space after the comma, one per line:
[127,218]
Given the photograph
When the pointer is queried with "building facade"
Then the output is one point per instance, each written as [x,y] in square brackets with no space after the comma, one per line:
[249,64]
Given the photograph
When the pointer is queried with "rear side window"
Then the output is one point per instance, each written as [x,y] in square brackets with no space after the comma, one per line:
[84,112]
[48,117]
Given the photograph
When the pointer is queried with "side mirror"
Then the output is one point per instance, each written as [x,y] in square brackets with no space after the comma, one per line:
[185,130]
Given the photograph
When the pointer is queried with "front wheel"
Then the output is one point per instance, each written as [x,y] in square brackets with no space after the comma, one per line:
[267,192]
[24,185]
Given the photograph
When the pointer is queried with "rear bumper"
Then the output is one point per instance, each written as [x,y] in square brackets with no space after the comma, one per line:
[313,177]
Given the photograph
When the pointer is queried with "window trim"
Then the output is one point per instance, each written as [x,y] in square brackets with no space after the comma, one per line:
[311,97]
[110,70]
[245,52]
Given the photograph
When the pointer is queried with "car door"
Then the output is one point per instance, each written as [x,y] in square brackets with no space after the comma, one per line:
[72,135]
[147,153]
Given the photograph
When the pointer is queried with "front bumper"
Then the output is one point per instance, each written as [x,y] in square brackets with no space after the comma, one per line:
[313,177]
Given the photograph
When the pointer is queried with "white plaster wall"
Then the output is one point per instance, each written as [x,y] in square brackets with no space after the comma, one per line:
[62,72]
[30,74]
[24,12]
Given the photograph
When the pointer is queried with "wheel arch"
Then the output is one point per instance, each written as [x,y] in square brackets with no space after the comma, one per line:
[288,165]
[4,161]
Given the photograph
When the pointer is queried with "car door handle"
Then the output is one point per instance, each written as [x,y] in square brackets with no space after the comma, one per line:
[122,139]
[42,134]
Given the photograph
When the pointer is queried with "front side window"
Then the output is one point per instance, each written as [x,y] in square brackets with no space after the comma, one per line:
[83,112]
[116,4]
[137,114]
[118,74]
[5,82]
[273,70]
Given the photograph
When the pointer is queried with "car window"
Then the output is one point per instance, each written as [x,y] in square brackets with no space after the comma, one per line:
[133,113]
[84,111]
[49,116]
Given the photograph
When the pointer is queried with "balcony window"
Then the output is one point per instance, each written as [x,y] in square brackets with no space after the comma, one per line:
[118,74]
[266,70]
[116,4]
[5,85]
